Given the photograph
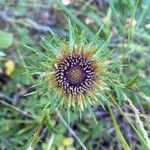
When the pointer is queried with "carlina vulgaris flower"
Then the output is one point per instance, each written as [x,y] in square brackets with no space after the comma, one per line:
[75,76]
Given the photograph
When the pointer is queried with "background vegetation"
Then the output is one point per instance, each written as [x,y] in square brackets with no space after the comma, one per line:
[124,27]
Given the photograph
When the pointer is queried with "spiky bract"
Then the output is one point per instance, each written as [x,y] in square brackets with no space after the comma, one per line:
[75,72]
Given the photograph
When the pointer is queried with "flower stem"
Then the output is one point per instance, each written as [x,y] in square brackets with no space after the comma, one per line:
[70,130]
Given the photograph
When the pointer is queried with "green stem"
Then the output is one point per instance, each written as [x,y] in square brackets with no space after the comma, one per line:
[70,130]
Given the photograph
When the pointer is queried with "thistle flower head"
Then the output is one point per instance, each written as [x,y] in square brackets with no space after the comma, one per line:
[74,71]
[75,74]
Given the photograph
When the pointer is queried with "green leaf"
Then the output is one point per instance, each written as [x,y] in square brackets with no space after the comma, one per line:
[5,39]
[104,46]
[2,54]
[132,81]
[71,35]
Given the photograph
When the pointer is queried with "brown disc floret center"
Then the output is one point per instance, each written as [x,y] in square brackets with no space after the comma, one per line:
[75,74]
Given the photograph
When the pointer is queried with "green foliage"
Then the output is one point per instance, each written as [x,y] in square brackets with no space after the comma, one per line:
[6,39]
[31,118]
[2,54]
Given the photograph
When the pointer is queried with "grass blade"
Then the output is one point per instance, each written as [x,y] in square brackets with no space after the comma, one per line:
[79,23]
[118,131]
